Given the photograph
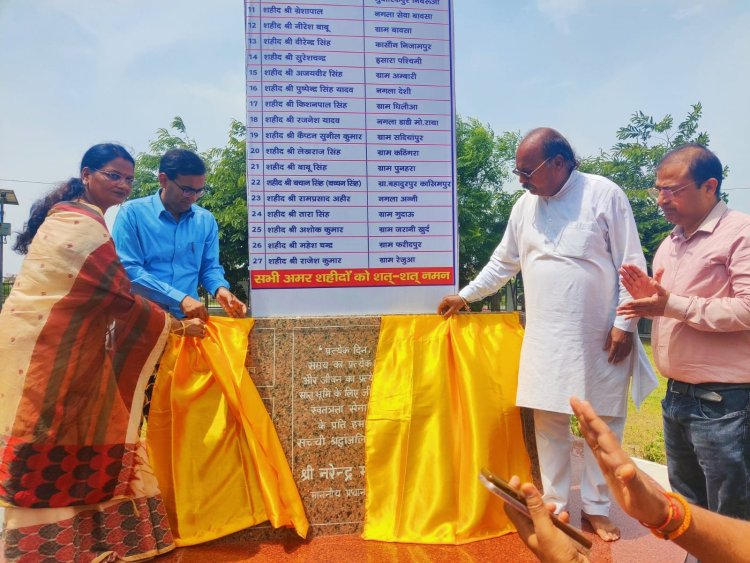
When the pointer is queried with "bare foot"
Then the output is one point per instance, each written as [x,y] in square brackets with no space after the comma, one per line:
[603,526]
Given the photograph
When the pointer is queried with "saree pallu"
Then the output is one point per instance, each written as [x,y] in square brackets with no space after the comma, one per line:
[442,406]
[77,350]
[215,452]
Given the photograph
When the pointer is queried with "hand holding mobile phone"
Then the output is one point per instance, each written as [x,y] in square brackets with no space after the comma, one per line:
[509,495]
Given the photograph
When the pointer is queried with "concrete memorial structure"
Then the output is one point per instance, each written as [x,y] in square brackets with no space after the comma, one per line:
[351,211]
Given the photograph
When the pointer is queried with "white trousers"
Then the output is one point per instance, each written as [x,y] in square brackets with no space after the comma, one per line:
[553,444]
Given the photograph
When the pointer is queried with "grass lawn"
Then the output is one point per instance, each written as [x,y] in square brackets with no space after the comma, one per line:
[643,429]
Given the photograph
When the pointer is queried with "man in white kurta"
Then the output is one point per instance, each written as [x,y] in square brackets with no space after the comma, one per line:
[568,236]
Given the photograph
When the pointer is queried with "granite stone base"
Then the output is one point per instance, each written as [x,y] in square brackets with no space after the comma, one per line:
[314,376]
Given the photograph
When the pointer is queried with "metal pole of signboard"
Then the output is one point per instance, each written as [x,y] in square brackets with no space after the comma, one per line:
[2,246]
[6,196]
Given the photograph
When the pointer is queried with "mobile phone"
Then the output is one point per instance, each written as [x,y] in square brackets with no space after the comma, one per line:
[502,489]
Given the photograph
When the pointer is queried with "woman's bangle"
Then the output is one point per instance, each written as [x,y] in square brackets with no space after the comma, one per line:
[674,515]
[180,331]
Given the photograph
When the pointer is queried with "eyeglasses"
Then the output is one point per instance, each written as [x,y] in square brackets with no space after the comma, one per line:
[528,175]
[115,177]
[190,192]
[668,193]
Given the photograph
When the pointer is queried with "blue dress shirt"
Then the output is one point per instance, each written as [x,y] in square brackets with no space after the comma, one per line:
[166,258]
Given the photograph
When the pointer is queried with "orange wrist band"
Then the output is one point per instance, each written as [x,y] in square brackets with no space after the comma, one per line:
[670,516]
[684,525]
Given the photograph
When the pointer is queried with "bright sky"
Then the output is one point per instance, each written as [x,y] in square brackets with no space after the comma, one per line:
[78,72]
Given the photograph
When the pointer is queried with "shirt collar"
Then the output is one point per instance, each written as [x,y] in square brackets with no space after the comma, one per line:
[567,186]
[158,207]
[709,224]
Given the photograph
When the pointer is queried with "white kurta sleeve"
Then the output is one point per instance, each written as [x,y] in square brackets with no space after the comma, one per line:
[625,247]
[503,265]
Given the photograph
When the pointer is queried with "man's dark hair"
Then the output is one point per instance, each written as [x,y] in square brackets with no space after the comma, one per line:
[553,144]
[703,164]
[183,162]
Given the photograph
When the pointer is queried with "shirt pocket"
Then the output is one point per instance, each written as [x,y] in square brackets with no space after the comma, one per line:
[577,239]
[191,254]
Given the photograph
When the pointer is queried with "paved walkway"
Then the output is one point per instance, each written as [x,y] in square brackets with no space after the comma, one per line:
[656,470]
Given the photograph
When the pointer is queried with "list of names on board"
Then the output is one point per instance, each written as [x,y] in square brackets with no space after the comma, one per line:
[350,143]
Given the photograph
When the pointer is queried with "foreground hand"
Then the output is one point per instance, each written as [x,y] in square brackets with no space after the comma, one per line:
[193,308]
[548,543]
[195,327]
[637,494]
[233,306]
[619,344]
[450,305]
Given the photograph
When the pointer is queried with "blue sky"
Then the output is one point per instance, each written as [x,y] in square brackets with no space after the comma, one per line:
[78,72]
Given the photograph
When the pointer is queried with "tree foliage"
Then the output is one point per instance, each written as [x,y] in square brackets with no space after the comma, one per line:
[483,206]
[631,163]
[147,164]
[226,198]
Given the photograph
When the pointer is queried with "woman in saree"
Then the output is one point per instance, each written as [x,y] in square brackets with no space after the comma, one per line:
[77,350]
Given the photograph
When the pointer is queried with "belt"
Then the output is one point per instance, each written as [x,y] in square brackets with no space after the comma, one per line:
[704,391]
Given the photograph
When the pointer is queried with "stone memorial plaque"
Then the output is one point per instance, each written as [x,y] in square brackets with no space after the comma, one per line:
[314,375]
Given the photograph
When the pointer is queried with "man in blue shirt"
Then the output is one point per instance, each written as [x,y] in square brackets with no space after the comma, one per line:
[168,244]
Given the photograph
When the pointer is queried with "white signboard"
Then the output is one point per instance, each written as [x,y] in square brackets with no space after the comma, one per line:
[350,156]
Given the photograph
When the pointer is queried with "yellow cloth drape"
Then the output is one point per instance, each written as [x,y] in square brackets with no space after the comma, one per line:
[214,450]
[442,406]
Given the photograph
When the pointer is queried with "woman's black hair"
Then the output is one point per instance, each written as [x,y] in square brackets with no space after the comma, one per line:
[94,159]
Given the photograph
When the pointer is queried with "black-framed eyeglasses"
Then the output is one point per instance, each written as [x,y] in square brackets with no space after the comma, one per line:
[190,192]
[668,193]
[528,175]
[115,177]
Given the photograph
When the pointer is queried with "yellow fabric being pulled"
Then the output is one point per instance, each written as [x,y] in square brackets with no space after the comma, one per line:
[442,406]
[215,452]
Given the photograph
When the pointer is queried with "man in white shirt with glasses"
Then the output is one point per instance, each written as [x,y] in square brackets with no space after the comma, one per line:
[568,236]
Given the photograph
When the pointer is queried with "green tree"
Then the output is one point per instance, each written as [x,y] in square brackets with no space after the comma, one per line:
[147,163]
[482,163]
[226,198]
[632,161]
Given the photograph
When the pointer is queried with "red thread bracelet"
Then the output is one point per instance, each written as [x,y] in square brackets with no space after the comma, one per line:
[670,516]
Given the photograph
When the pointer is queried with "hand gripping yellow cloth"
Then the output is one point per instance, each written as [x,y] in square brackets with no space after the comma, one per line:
[215,452]
[442,406]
